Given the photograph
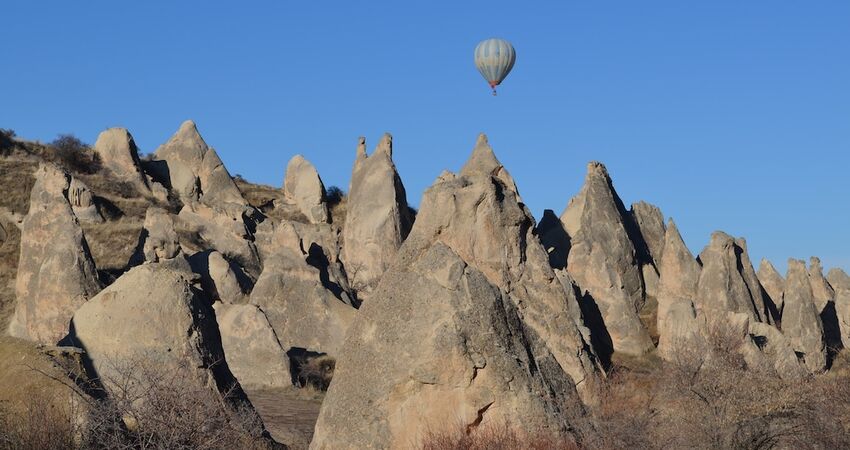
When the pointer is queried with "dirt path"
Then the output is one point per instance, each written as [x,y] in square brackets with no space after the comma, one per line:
[289,414]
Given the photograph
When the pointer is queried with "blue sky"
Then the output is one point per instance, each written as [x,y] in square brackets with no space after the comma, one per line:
[729,115]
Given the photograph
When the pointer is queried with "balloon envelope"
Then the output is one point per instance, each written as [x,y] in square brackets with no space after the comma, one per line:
[494,58]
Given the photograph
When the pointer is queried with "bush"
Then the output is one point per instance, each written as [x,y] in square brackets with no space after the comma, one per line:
[73,154]
[500,436]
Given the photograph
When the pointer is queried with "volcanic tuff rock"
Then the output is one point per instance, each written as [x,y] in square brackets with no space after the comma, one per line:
[303,188]
[56,272]
[119,154]
[225,230]
[678,326]
[195,171]
[378,218]
[801,322]
[483,160]
[728,282]
[82,202]
[468,310]
[160,239]
[602,260]
[772,282]
[253,352]
[554,238]
[840,281]
[648,237]
[824,297]
[300,292]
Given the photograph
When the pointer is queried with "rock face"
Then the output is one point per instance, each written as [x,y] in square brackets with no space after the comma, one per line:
[151,318]
[56,272]
[772,282]
[648,238]
[728,282]
[118,153]
[484,161]
[303,187]
[479,325]
[801,322]
[82,202]
[300,292]
[378,219]
[824,298]
[195,171]
[160,239]
[251,347]
[224,230]
[602,260]
[554,238]
[840,281]
[678,327]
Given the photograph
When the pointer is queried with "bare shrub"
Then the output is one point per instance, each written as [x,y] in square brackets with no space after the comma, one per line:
[316,372]
[499,436]
[42,423]
[73,154]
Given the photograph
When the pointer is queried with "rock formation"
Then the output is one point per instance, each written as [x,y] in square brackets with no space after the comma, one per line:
[840,281]
[602,260]
[56,272]
[678,327]
[554,238]
[224,230]
[119,154]
[303,188]
[824,297]
[479,327]
[301,294]
[152,321]
[195,171]
[82,202]
[251,347]
[378,218]
[218,278]
[772,282]
[648,238]
[159,239]
[483,160]
[801,322]
[728,282]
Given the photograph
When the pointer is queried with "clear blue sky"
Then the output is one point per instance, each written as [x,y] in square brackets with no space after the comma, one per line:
[730,115]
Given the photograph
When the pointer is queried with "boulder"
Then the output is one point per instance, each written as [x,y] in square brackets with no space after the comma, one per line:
[56,272]
[225,230]
[727,282]
[195,171]
[772,282]
[303,188]
[118,153]
[299,291]
[377,219]
[441,347]
[151,322]
[219,279]
[251,347]
[840,281]
[678,326]
[82,202]
[801,322]
[603,262]
[159,239]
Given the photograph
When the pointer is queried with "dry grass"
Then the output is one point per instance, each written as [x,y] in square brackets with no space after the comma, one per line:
[502,436]
[16,182]
[113,243]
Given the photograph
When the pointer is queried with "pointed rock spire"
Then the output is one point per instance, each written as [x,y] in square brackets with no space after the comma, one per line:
[303,187]
[603,262]
[678,328]
[772,282]
[484,161]
[801,322]
[725,284]
[840,281]
[118,152]
[378,218]
[822,291]
[56,272]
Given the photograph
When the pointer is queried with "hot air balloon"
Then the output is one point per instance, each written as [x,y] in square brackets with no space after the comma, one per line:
[494,58]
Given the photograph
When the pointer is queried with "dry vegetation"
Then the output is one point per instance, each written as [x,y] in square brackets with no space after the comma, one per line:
[147,408]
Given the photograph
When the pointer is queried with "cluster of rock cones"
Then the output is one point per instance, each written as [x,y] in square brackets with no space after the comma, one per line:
[469,312]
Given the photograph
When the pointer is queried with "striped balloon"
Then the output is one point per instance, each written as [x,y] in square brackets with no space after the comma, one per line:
[494,58]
